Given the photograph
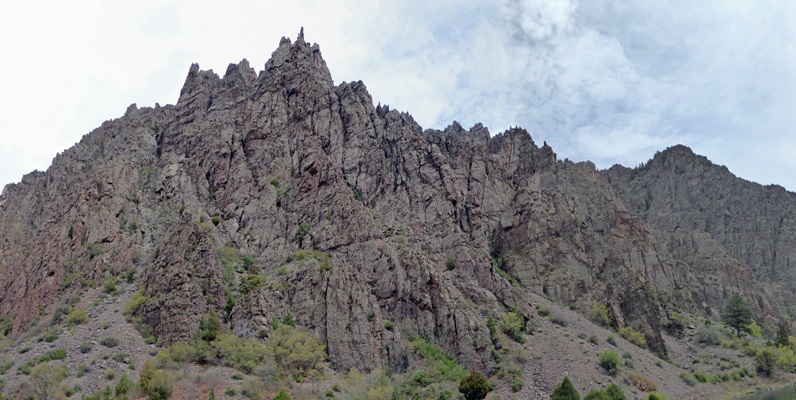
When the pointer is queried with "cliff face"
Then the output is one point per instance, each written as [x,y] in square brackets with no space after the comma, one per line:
[704,207]
[290,195]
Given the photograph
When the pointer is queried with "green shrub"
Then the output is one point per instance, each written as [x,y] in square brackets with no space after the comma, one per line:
[83,369]
[52,335]
[611,340]
[5,366]
[230,391]
[124,385]
[110,374]
[282,395]
[139,298]
[129,275]
[512,324]
[543,312]
[296,350]
[237,376]
[687,378]
[633,336]
[77,317]
[85,347]
[120,357]
[450,263]
[57,354]
[600,314]
[593,339]
[108,284]
[109,342]
[609,360]
[251,283]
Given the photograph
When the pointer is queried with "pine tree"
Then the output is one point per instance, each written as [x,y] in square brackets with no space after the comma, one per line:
[737,314]
[282,395]
[782,336]
[565,391]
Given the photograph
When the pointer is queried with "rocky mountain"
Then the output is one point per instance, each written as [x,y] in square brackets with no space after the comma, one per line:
[262,195]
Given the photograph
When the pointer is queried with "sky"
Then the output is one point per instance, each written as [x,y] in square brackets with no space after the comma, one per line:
[606,81]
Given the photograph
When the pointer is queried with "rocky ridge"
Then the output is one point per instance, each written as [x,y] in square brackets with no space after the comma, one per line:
[299,197]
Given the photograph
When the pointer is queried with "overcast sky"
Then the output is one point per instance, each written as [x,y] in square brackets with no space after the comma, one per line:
[607,81]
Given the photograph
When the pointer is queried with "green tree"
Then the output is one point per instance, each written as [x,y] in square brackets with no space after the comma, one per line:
[565,391]
[210,326]
[737,314]
[766,359]
[46,380]
[782,336]
[282,395]
[474,386]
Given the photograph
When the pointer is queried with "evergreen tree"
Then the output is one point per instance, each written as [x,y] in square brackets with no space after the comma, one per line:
[737,314]
[614,392]
[282,395]
[782,336]
[565,391]
[474,386]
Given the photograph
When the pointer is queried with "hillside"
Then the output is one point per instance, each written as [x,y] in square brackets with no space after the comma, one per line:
[278,196]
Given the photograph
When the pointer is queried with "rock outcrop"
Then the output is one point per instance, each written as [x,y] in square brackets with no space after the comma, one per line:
[262,195]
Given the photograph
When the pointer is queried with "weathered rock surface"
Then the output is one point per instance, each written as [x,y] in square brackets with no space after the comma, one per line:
[291,195]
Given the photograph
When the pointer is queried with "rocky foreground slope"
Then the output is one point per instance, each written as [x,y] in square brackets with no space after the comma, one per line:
[262,195]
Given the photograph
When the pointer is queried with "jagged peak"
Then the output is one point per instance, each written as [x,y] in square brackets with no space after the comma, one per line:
[299,55]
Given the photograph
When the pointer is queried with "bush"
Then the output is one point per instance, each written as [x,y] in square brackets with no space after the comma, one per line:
[512,324]
[687,378]
[474,386]
[633,336]
[110,342]
[110,374]
[611,340]
[85,347]
[609,360]
[707,334]
[77,317]
[600,314]
[543,312]
[52,335]
[120,357]
[642,382]
[83,369]
[593,339]
[139,298]
[57,354]
[124,385]
[296,349]
[559,321]
[565,391]
[282,395]
[450,263]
